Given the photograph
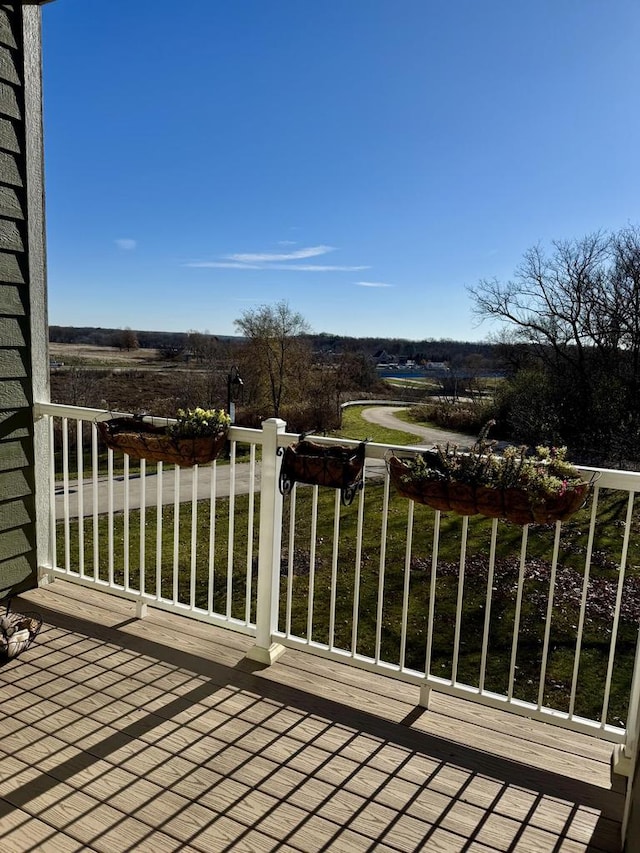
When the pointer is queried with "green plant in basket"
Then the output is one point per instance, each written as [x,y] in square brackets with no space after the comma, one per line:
[193,423]
[518,485]
[195,438]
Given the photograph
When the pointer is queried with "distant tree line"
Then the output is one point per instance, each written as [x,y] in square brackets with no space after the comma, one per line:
[427,349]
[287,371]
[97,336]
[323,345]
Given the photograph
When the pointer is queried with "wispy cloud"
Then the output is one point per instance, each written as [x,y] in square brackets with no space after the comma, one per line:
[287,242]
[316,268]
[126,243]
[234,265]
[373,284]
[299,254]
[279,261]
[224,265]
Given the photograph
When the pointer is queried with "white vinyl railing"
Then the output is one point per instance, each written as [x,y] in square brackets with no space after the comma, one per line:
[405,603]
[136,528]
[533,619]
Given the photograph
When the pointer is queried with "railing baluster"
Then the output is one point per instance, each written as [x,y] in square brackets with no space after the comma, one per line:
[312,561]
[358,571]
[549,614]
[159,521]
[334,567]
[80,494]
[382,564]
[212,538]
[583,601]
[194,537]
[460,599]
[488,600]
[52,496]
[291,557]
[432,592]
[126,554]
[231,536]
[405,590]
[250,523]
[516,618]
[175,590]
[616,617]
[232,528]
[65,492]
[110,516]
[143,527]
[95,461]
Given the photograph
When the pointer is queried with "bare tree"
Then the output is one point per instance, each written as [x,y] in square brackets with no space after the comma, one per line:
[577,310]
[551,300]
[276,348]
[128,339]
[203,346]
[78,386]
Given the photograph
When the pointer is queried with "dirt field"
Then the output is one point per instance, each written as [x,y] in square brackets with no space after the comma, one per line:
[131,381]
[92,356]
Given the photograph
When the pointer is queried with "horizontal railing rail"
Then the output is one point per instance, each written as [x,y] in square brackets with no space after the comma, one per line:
[539,619]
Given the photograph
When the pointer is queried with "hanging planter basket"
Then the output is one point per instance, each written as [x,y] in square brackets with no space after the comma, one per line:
[143,440]
[335,465]
[513,504]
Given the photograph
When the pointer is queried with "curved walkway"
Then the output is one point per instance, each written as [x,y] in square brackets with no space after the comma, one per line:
[385,416]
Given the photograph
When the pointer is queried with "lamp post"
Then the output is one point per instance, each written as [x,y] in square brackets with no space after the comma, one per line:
[234,385]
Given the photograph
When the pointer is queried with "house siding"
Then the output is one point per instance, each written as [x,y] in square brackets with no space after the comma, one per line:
[18,563]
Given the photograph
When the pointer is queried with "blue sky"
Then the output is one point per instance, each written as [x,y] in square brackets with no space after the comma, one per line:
[365,160]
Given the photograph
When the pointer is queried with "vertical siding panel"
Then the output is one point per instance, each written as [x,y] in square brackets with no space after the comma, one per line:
[18,569]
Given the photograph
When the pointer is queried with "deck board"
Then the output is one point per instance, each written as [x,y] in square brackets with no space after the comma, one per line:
[119,734]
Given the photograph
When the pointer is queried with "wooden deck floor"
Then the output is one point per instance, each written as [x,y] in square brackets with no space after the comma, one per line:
[118,734]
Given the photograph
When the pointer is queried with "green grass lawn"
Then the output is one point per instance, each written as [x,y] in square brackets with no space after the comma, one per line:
[355,426]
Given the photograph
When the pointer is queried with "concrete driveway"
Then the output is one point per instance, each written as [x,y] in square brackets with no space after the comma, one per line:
[177,480]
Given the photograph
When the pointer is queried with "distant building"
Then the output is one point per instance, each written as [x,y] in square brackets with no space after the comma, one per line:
[383,357]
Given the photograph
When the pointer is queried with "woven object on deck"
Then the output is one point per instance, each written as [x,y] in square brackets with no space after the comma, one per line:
[143,440]
[17,631]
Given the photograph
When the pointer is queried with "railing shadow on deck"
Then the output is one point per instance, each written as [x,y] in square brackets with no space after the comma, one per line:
[505,774]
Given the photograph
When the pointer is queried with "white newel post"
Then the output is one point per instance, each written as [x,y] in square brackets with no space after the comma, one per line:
[269,542]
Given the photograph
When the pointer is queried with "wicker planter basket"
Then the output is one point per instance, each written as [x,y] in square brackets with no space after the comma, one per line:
[17,632]
[143,440]
[513,505]
[335,465]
